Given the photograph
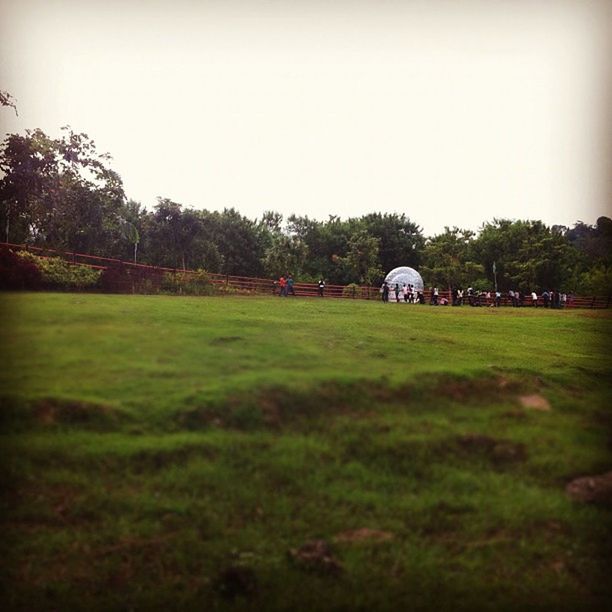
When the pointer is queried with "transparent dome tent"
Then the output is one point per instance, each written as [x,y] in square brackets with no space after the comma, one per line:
[406,275]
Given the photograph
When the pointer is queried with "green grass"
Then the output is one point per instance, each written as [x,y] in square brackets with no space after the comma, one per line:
[154,447]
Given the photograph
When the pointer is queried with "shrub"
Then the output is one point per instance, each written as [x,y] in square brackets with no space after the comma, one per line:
[58,273]
[353,291]
[18,272]
[187,283]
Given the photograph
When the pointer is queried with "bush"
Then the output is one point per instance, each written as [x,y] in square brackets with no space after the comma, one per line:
[18,272]
[353,291]
[187,283]
[58,273]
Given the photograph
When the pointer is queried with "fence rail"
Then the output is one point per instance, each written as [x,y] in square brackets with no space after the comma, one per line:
[144,278]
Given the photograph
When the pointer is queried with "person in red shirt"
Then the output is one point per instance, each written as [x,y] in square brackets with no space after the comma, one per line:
[282,283]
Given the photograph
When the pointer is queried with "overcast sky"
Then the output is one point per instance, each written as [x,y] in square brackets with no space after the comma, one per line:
[451,112]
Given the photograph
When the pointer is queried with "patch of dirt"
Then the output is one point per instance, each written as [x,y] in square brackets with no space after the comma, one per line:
[316,556]
[275,406]
[476,442]
[502,382]
[474,389]
[535,402]
[591,489]
[363,535]
[498,451]
[51,411]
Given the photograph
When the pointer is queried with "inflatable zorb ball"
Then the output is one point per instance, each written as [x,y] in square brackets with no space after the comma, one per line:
[404,275]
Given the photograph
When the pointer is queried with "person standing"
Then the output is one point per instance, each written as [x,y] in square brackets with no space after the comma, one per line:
[290,289]
[405,292]
[321,287]
[282,283]
[534,299]
[397,293]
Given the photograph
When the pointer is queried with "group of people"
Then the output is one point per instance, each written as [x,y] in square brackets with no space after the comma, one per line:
[286,286]
[410,295]
[408,292]
[549,299]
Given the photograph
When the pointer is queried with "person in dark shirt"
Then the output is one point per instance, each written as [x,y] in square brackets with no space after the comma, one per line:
[321,287]
[290,289]
[385,292]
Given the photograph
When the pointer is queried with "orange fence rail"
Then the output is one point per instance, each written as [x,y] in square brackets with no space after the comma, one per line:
[144,278]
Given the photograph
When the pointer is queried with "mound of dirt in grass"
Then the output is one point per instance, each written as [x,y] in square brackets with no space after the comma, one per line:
[274,407]
[499,452]
[53,411]
[316,556]
[535,402]
[471,389]
[363,535]
[591,489]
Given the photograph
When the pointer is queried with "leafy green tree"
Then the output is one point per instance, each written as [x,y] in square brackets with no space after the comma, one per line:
[528,255]
[272,221]
[285,254]
[362,259]
[446,259]
[401,240]
[181,238]
[131,221]
[593,242]
[597,280]
[325,243]
[239,242]
[59,192]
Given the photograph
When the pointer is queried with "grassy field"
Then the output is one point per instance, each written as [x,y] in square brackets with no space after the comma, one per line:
[171,453]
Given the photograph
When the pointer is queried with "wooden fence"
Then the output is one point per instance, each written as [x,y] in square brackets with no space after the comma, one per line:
[141,278]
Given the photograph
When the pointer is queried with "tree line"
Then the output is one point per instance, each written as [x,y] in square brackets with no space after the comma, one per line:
[61,193]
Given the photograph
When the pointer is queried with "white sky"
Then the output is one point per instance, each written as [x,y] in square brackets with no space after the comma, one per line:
[453,112]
